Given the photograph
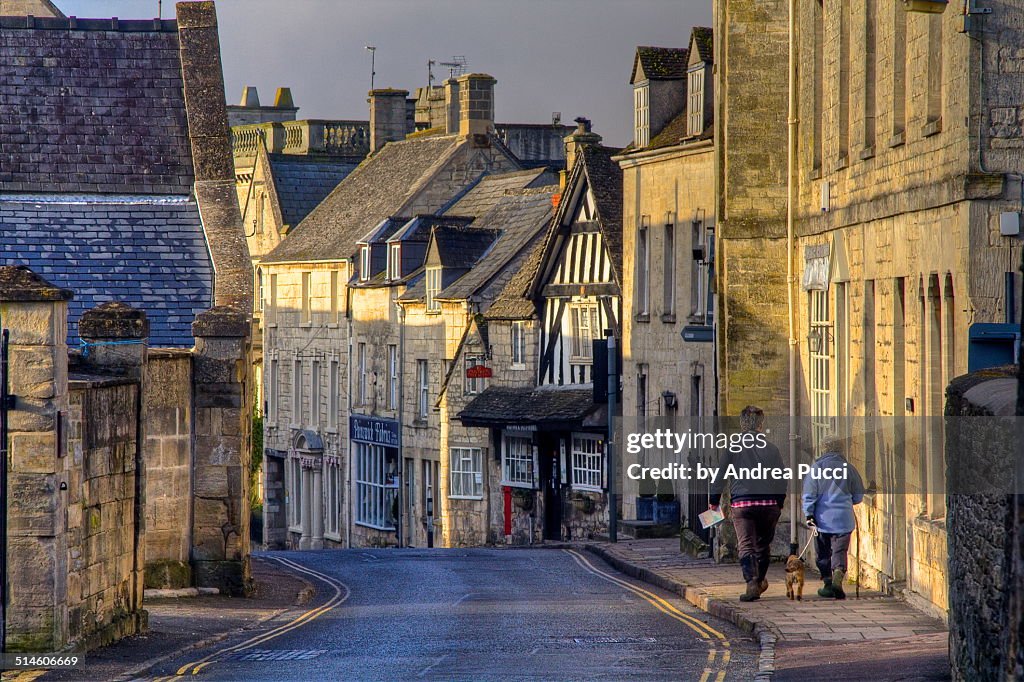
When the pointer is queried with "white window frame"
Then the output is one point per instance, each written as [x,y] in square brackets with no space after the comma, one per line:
[273,394]
[518,460]
[364,263]
[423,388]
[698,272]
[297,392]
[821,362]
[643,266]
[395,261]
[587,462]
[335,296]
[307,298]
[293,486]
[518,338]
[374,492]
[695,111]
[314,394]
[260,289]
[641,115]
[433,286]
[361,360]
[473,386]
[271,314]
[466,473]
[669,270]
[583,348]
[332,510]
[334,399]
[393,377]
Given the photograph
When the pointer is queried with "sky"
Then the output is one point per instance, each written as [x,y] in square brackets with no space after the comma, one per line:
[570,56]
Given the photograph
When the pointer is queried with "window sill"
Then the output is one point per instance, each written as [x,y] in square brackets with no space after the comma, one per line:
[931,128]
[815,174]
[295,427]
[668,318]
[520,486]
[586,488]
[581,361]
[897,140]
[841,163]
[432,312]
[270,325]
[927,523]
[333,430]
[643,318]
[367,524]
[333,325]
[473,498]
[305,325]
[867,153]
[517,365]
[335,537]
[419,423]
[295,529]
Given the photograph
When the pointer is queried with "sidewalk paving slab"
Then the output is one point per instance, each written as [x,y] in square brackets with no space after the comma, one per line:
[849,630]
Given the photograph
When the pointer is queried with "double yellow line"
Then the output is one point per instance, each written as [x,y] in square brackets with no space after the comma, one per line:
[341,594]
[718,659]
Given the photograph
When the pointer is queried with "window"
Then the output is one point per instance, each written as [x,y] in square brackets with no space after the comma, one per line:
[844,81]
[423,382]
[293,486]
[818,36]
[392,377]
[695,113]
[698,286]
[935,75]
[335,296]
[272,313]
[361,360]
[899,73]
[584,328]
[297,392]
[473,386]
[395,261]
[334,398]
[467,475]
[821,366]
[641,392]
[669,271]
[364,263]
[587,462]
[376,486]
[273,393]
[333,524]
[433,288]
[260,292]
[937,365]
[518,343]
[517,461]
[643,267]
[307,303]
[641,116]
[870,73]
[314,394]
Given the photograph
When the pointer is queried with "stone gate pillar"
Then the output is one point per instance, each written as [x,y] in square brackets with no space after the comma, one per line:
[220,519]
[35,312]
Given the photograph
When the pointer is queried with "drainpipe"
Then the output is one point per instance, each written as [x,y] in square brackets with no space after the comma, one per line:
[790,271]
[403,504]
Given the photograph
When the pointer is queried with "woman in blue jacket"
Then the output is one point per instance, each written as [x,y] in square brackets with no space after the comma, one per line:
[831,488]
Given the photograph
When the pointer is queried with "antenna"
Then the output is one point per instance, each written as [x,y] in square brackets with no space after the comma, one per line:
[430,73]
[373,63]
[457,65]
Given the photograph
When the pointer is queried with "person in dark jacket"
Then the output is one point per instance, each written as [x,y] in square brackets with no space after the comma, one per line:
[756,505]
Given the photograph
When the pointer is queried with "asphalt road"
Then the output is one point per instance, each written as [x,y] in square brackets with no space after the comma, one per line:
[481,614]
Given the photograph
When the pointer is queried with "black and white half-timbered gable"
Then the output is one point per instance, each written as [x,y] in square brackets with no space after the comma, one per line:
[577,290]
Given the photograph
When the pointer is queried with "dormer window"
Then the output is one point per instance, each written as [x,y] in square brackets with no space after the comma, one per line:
[695,106]
[395,262]
[433,288]
[641,115]
[364,263]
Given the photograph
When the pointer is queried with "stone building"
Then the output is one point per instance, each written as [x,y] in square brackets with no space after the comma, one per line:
[35,8]
[907,202]
[123,196]
[330,315]
[548,421]
[668,238]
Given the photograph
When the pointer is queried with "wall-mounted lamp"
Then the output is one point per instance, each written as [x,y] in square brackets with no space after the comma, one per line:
[699,253]
[926,6]
[671,401]
[818,339]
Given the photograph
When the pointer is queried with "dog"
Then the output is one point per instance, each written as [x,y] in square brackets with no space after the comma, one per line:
[795,577]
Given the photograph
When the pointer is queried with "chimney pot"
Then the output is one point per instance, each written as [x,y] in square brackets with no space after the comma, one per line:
[250,97]
[388,118]
[283,99]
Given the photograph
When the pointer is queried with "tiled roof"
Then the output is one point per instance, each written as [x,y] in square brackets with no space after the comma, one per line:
[150,255]
[513,303]
[303,182]
[659,63]
[92,109]
[491,188]
[461,247]
[605,178]
[379,187]
[502,405]
[704,37]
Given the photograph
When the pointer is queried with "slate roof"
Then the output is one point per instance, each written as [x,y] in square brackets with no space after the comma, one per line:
[605,176]
[461,247]
[540,406]
[704,38]
[513,303]
[491,188]
[379,187]
[302,182]
[150,254]
[660,63]
[94,109]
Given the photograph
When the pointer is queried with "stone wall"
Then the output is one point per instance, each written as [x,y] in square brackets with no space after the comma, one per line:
[982,535]
[168,468]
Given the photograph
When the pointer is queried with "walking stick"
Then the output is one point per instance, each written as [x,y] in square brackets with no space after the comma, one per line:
[856,526]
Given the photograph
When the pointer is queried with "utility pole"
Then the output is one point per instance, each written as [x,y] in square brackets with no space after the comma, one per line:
[613,394]
[373,63]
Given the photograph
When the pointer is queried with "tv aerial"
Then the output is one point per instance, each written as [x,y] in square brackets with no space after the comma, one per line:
[457,65]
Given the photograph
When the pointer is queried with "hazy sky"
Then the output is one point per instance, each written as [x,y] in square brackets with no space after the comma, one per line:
[572,56]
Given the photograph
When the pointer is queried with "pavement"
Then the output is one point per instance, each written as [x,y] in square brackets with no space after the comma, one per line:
[875,637]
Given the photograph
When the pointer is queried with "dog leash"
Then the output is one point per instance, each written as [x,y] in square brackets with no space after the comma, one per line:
[814,534]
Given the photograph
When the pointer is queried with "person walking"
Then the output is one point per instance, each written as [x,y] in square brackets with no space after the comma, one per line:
[756,505]
[831,488]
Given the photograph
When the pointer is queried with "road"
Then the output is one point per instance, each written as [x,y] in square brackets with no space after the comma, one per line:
[480,614]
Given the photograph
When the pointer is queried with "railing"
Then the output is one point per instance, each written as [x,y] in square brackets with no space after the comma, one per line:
[334,138]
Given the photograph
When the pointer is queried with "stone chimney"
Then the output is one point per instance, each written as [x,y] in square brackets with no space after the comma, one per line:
[388,119]
[250,97]
[476,104]
[582,137]
[283,99]
[451,106]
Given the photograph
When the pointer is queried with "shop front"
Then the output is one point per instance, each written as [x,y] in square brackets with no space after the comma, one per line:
[376,480]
